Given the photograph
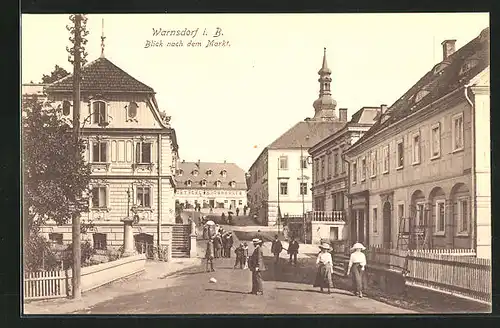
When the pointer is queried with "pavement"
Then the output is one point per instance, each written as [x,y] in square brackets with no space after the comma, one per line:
[287,290]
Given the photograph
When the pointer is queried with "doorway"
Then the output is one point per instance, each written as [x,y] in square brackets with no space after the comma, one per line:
[387,224]
[334,233]
[144,244]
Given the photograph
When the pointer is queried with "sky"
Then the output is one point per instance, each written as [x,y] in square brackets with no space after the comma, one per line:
[228,103]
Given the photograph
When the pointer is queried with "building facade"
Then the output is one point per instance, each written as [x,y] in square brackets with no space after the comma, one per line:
[132,150]
[213,187]
[282,173]
[420,177]
[330,175]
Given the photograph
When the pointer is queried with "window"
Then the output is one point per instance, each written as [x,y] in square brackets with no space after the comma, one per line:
[218,183]
[328,165]
[99,112]
[458,132]
[303,188]
[283,162]
[401,154]
[284,188]
[401,211]
[374,163]
[440,217]
[180,172]
[232,184]
[132,110]
[435,141]
[143,196]
[66,107]
[240,202]
[203,183]
[317,171]
[100,152]
[420,217]
[143,152]
[100,241]
[416,149]
[323,168]
[335,164]
[188,183]
[385,154]
[463,216]
[303,162]
[99,197]
[56,238]
[209,173]
[223,173]
[363,169]
[354,172]
[375,220]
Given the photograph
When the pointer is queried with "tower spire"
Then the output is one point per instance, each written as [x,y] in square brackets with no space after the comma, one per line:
[102,39]
[325,105]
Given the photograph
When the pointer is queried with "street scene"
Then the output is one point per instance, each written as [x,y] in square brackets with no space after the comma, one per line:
[183,165]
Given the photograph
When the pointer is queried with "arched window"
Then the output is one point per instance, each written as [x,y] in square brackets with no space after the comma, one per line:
[99,112]
[132,110]
[66,107]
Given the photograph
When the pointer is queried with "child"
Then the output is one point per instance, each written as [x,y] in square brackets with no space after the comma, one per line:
[240,259]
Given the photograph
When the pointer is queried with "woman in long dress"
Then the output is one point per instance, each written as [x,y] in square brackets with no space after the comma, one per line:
[357,263]
[325,268]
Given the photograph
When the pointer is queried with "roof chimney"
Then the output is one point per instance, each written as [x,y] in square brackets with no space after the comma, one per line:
[448,48]
[343,114]
[383,108]
[183,161]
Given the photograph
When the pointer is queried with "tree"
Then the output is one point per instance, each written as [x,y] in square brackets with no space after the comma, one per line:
[57,74]
[55,179]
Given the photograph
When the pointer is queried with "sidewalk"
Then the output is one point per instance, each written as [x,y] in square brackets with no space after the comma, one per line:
[154,277]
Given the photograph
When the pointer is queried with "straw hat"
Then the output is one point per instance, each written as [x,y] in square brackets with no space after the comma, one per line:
[358,246]
[325,246]
[256,240]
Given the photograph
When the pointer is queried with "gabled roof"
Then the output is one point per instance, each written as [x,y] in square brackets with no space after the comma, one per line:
[306,134]
[101,75]
[233,173]
[442,79]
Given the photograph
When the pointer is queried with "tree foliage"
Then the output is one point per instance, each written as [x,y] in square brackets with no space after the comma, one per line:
[56,74]
[55,175]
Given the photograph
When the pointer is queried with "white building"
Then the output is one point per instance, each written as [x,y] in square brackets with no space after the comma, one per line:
[282,172]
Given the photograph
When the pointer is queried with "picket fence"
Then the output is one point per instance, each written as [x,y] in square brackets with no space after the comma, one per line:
[45,284]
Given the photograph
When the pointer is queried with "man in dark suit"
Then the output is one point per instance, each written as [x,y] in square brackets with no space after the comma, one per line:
[256,265]
[276,248]
[293,250]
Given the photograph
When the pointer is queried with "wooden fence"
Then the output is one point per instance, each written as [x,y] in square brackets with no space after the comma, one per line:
[465,276]
[45,284]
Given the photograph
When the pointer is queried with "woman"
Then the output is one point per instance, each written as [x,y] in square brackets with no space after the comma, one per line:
[325,268]
[209,255]
[357,263]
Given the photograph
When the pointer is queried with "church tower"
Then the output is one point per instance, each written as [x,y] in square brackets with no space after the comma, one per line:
[324,106]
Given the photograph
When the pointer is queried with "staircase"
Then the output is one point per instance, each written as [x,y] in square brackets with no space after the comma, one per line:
[180,240]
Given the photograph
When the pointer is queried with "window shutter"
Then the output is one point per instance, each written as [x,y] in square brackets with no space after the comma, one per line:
[104,153]
[138,152]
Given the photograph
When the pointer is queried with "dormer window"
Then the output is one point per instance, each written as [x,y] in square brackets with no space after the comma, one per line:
[195,172]
[180,172]
[132,110]
[209,172]
[232,184]
[99,112]
[421,94]
[188,183]
[203,183]
[223,173]
[218,183]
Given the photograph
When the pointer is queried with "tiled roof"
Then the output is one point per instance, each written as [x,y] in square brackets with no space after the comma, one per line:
[365,115]
[233,173]
[444,78]
[101,75]
[306,134]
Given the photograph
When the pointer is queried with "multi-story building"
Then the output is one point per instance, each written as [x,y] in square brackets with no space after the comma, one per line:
[215,187]
[330,175]
[281,174]
[132,150]
[420,177]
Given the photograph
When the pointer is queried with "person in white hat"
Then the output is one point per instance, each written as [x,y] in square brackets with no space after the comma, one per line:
[357,263]
[256,265]
[325,268]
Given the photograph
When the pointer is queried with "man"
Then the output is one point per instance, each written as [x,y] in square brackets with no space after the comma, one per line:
[237,211]
[276,248]
[209,255]
[240,254]
[229,243]
[217,245]
[256,265]
[293,250]
[245,210]
[224,241]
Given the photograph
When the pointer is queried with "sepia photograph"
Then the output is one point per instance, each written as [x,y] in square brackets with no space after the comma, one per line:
[255,164]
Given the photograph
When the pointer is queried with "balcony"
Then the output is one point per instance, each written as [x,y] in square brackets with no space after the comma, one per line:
[326,216]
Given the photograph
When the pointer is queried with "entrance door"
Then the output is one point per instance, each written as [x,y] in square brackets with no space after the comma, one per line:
[334,233]
[233,204]
[387,221]
[361,226]
[144,244]
[211,202]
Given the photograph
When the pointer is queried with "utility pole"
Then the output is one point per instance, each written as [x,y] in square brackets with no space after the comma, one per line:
[79,32]
[302,192]
[278,214]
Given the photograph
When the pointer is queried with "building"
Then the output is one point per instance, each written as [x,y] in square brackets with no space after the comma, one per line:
[282,173]
[420,177]
[330,175]
[215,187]
[132,150]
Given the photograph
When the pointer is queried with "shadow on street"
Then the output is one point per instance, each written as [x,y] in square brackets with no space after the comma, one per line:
[225,291]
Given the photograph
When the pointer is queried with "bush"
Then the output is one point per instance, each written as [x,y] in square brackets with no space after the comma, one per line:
[87,251]
[38,254]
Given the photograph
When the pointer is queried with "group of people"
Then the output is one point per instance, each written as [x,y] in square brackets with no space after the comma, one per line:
[277,248]
[356,266]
